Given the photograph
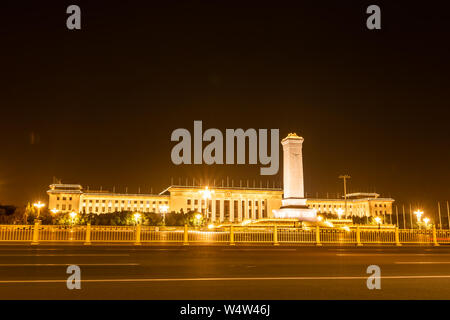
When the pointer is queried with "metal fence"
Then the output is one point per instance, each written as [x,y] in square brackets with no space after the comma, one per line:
[231,235]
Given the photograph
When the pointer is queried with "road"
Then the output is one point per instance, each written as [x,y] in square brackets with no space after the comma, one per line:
[223,272]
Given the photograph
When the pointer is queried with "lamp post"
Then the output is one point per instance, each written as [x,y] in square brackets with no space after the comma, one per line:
[426,220]
[198,218]
[137,217]
[54,211]
[378,221]
[206,195]
[73,215]
[164,208]
[419,214]
[339,212]
[39,205]
[345,177]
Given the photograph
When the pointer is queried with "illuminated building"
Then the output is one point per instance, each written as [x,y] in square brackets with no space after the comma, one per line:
[233,204]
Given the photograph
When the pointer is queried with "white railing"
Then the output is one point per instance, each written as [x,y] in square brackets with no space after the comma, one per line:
[275,235]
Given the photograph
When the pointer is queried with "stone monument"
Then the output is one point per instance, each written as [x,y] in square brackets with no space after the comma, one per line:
[293,204]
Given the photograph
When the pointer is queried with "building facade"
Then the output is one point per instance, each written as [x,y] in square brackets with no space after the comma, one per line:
[224,204]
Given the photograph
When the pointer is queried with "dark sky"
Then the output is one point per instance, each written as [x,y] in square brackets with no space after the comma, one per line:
[97,106]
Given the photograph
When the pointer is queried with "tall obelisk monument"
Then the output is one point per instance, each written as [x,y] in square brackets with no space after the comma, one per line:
[294,201]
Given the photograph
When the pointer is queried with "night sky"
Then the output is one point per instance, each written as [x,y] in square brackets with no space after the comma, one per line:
[98,106]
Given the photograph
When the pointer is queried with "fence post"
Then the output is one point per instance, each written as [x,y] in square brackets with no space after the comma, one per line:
[88,234]
[275,236]
[36,232]
[358,237]
[232,235]
[318,243]
[138,235]
[185,236]
[435,243]
[397,237]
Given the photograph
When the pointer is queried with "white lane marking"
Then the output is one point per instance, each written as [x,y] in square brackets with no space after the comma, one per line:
[144,249]
[422,262]
[271,249]
[30,249]
[389,254]
[65,264]
[230,279]
[65,255]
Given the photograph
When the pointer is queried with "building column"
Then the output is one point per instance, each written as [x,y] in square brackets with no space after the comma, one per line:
[213,208]
[253,210]
[240,210]
[231,210]
[221,209]
[246,214]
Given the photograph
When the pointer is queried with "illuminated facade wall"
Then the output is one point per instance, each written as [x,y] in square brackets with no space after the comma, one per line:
[226,203]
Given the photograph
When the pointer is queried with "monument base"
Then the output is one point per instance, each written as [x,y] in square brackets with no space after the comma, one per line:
[295,208]
[302,214]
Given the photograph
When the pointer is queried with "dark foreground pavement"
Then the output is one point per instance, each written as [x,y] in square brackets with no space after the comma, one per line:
[222,272]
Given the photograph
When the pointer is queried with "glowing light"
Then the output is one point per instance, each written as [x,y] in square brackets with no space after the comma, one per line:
[245,222]
[206,193]
[419,214]
[426,220]
[210,226]
[137,217]
[319,218]
[164,208]
[378,220]
[39,205]
[198,216]
[340,211]
[54,211]
[329,224]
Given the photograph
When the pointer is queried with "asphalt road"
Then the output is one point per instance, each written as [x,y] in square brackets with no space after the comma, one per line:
[223,272]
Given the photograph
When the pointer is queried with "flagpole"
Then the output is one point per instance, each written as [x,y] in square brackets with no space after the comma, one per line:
[439,211]
[404,218]
[410,216]
[396,213]
[448,216]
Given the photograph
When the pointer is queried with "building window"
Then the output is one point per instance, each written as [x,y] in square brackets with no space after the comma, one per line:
[57,198]
[195,202]
[63,207]
[188,202]
[64,198]
[70,207]
[217,209]
[226,209]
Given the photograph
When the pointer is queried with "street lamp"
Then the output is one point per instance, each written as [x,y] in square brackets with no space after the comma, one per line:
[39,205]
[206,194]
[198,218]
[54,211]
[419,214]
[73,215]
[378,221]
[340,211]
[319,218]
[426,220]
[164,208]
[137,217]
